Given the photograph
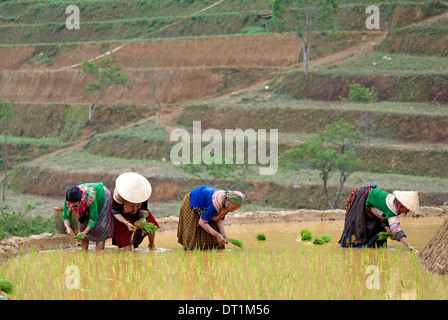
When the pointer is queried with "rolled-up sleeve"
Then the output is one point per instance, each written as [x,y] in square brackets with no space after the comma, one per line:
[395,228]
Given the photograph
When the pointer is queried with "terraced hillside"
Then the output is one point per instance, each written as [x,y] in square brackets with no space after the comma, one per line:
[229,68]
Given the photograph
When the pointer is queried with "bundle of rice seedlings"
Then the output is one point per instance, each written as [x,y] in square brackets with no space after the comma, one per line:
[6,286]
[236,242]
[322,239]
[148,227]
[326,238]
[80,236]
[306,235]
[384,235]
[261,236]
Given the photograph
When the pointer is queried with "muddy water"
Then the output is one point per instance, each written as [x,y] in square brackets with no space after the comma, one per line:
[282,267]
[418,230]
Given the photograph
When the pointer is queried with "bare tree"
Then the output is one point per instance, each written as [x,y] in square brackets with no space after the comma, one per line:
[155,82]
[302,16]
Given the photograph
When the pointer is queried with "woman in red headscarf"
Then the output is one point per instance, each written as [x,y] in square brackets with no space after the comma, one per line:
[93,203]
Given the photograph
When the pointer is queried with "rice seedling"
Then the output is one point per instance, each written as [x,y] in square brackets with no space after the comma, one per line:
[80,236]
[147,227]
[384,235]
[236,242]
[306,234]
[6,286]
[322,239]
[260,236]
[288,271]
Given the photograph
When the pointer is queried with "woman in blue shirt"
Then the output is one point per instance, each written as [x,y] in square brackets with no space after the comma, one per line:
[202,214]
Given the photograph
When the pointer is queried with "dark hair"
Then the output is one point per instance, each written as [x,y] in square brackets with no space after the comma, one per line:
[73,194]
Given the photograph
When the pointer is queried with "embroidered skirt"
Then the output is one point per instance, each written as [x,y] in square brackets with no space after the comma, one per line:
[190,234]
[104,228]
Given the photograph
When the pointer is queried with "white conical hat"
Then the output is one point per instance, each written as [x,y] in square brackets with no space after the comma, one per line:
[133,187]
[409,199]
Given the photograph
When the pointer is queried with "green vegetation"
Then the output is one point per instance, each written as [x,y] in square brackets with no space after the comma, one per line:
[236,242]
[331,150]
[147,227]
[126,20]
[260,237]
[21,225]
[6,286]
[392,156]
[80,236]
[384,235]
[389,63]
[306,235]
[361,94]
[105,73]
[322,239]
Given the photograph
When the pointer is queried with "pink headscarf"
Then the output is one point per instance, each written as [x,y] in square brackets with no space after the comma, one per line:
[82,205]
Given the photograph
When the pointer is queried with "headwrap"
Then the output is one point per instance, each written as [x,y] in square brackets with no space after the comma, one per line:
[399,205]
[87,197]
[73,194]
[236,197]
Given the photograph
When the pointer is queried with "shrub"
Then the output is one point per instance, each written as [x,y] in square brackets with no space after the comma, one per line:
[20,225]
[361,94]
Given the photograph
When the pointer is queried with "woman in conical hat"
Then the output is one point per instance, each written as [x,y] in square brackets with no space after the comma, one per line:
[201,217]
[130,204]
[371,210]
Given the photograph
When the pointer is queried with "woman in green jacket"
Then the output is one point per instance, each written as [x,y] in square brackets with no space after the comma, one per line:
[371,210]
[93,203]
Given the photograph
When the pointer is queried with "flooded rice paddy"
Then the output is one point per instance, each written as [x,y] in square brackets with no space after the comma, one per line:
[281,267]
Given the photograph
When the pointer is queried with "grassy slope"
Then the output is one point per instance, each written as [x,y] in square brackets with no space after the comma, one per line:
[131,19]
[399,64]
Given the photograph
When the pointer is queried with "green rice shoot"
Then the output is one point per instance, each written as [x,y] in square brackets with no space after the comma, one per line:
[260,236]
[80,236]
[236,242]
[322,239]
[6,286]
[306,235]
[148,227]
[384,235]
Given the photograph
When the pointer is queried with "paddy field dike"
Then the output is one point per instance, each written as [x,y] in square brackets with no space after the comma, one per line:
[229,68]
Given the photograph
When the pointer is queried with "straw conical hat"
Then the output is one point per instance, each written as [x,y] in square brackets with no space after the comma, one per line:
[409,199]
[133,187]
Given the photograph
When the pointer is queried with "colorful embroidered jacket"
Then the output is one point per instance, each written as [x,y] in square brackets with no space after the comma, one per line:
[93,198]
[384,208]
